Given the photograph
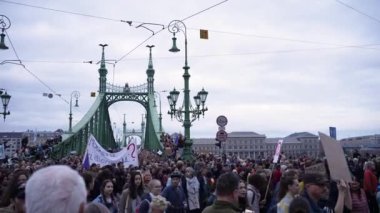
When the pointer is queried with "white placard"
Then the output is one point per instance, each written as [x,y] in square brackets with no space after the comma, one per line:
[278,151]
[95,153]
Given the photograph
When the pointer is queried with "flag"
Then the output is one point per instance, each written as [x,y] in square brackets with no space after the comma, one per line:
[203,34]
[86,162]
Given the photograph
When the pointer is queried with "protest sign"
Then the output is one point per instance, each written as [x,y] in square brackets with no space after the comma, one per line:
[335,158]
[317,168]
[96,154]
[278,151]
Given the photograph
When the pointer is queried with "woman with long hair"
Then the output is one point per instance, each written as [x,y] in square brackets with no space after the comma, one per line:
[106,196]
[131,198]
[242,196]
[289,188]
[358,197]
[15,186]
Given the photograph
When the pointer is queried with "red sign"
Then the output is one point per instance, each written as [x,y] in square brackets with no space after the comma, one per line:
[221,135]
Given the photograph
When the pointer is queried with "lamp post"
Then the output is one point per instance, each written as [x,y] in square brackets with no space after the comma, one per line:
[5,98]
[174,27]
[76,95]
[5,24]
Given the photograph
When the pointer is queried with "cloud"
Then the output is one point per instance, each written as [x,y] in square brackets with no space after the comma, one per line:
[273,67]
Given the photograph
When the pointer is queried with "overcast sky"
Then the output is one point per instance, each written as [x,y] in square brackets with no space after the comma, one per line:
[273,67]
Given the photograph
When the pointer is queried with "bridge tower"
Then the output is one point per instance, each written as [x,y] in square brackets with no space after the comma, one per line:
[97,120]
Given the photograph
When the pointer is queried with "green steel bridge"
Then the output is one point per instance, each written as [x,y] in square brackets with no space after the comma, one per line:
[97,120]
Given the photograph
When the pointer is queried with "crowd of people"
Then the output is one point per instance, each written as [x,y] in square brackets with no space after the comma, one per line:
[206,184]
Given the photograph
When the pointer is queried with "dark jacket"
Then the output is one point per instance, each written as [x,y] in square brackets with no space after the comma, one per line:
[176,197]
[145,203]
[221,207]
[313,206]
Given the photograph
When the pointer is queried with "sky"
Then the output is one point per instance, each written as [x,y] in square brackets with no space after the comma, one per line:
[271,67]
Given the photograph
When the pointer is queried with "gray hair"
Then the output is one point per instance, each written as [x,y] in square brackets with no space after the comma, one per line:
[57,189]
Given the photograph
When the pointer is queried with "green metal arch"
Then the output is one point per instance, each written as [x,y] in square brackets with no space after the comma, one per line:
[141,98]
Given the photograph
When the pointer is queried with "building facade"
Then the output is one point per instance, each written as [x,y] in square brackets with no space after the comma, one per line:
[365,144]
[255,146]
[11,141]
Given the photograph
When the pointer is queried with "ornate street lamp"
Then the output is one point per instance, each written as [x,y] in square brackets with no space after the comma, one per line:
[5,24]
[5,98]
[182,114]
[76,95]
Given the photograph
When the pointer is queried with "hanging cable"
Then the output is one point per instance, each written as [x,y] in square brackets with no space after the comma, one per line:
[197,13]
[29,71]
[358,11]
[71,13]
[155,33]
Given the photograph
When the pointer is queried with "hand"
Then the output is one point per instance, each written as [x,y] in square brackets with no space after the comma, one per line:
[263,202]
[342,186]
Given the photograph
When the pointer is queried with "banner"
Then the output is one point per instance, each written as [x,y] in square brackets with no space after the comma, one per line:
[278,151]
[96,154]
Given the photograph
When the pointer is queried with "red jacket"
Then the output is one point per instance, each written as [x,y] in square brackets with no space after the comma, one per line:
[370,181]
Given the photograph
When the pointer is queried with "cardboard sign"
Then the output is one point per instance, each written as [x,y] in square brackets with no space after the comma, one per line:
[317,168]
[335,158]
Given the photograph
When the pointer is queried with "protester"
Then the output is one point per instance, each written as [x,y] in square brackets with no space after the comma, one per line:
[206,168]
[155,188]
[147,177]
[359,199]
[89,182]
[17,201]
[104,174]
[242,196]
[370,186]
[227,192]
[192,190]
[57,189]
[253,194]
[131,198]
[159,204]
[300,205]
[289,188]
[315,190]
[96,208]
[175,195]
[106,196]
[11,197]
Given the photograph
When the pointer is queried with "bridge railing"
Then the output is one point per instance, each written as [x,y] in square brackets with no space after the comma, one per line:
[121,89]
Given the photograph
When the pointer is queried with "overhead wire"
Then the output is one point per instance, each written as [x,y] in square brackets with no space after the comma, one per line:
[202,11]
[366,46]
[159,31]
[284,39]
[30,72]
[69,12]
[358,11]
[197,13]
